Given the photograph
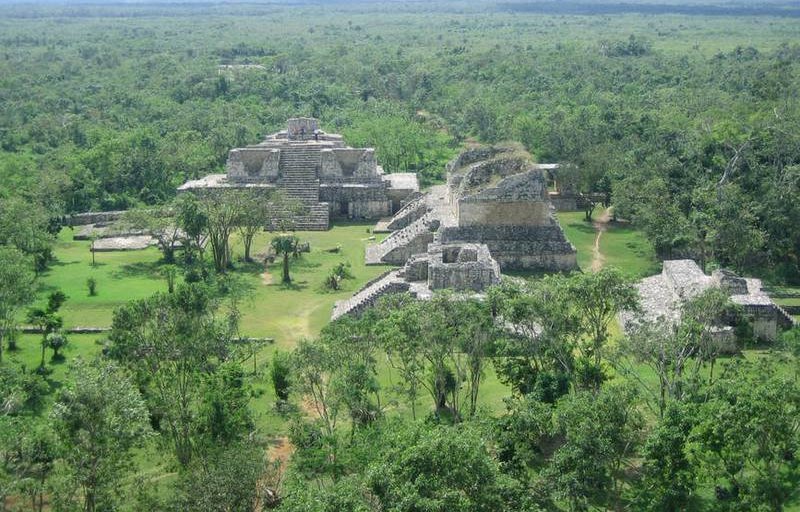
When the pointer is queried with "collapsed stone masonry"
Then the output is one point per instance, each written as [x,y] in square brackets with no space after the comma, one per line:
[663,295]
[465,268]
[316,169]
[494,196]
[493,213]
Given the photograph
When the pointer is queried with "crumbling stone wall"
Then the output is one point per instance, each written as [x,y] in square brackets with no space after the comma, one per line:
[519,247]
[253,164]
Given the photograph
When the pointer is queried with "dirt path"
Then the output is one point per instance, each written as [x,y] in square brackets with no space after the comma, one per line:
[266,278]
[280,450]
[600,225]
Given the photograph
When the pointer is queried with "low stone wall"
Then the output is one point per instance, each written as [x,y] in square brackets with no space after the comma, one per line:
[83,219]
[356,201]
[519,247]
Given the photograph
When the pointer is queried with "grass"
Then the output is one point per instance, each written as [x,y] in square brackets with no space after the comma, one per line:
[286,313]
[622,246]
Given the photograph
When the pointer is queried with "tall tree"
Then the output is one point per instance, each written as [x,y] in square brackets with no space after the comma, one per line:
[285,245]
[222,213]
[260,210]
[598,298]
[99,417]
[171,341]
[161,223]
[16,290]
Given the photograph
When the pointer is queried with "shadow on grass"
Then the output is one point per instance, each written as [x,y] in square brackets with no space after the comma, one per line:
[583,227]
[304,263]
[150,269]
[294,286]
[250,267]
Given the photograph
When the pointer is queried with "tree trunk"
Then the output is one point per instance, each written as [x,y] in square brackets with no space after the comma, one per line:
[286,277]
[248,241]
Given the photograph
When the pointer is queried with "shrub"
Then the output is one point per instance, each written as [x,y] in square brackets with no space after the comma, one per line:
[91,284]
[280,372]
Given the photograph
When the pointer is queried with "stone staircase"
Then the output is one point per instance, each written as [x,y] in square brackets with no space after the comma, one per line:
[396,248]
[389,282]
[785,320]
[299,182]
[411,211]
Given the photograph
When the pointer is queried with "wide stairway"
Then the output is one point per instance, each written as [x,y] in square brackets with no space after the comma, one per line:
[299,182]
[396,248]
[389,282]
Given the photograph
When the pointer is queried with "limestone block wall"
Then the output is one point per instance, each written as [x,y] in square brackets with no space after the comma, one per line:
[519,247]
[83,219]
[301,127]
[329,165]
[348,162]
[472,276]
[367,201]
[764,320]
[416,269]
[510,213]
[253,164]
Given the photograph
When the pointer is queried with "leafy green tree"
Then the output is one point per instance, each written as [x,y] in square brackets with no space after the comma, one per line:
[668,476]
[230,478]
[99,417]
[192,219]
[280,374]
[538,356]
[285,245]
[224,416]
[161,223]
[24,225]
[261,210]
[600,433]
[16,290]
[598,298]
[221,213]
[50,322]
[172,342]
[439,468]
[30,459]
[744,435]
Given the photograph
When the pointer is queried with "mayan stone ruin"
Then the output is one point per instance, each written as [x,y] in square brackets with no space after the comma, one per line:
[493,213]
[328,178]
[662,296]
[465,268]
[495,195]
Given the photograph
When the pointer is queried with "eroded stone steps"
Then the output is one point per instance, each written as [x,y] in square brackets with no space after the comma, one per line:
[410,235]
[389,282]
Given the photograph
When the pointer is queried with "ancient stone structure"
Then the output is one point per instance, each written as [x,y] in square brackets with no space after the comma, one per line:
[663,295]
[494,196]
[318,170]
[493,213]
[466,268]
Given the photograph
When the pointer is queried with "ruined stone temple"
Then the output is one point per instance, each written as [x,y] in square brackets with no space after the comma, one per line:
[663,295]
[315,168]
[495,196]
[493,213]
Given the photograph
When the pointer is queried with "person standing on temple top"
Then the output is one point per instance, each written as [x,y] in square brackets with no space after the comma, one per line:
[316,134]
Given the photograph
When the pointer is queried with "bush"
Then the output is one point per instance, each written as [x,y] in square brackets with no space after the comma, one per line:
[280,372]
[91,284]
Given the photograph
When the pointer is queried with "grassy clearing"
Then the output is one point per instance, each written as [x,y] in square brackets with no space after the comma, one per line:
[622,246]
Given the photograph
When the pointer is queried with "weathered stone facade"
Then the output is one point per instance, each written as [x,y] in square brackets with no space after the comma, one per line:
[662,297]
[494,196]
[465,268]
[317,169]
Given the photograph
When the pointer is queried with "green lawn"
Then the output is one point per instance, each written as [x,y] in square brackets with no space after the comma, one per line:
[272,309]
[621,245]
